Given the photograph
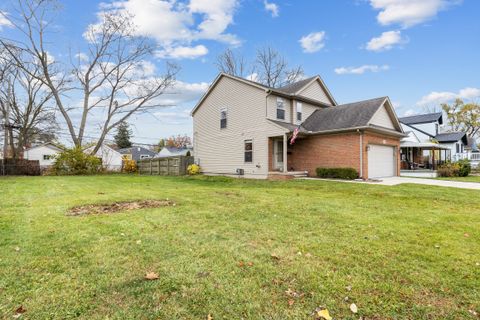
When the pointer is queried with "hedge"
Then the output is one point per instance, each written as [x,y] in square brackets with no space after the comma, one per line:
[337,173]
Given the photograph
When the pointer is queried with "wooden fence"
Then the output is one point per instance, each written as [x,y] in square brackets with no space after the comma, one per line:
[169,166]
[19,167]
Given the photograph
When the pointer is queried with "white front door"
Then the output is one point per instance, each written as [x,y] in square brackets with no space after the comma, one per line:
[381,161]
[278,155]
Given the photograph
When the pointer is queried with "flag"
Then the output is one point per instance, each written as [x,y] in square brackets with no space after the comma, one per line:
[294,136]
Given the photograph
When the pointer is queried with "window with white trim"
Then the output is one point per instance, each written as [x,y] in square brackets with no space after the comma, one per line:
[280,109]
[248,152]
[299,111]
[223,118]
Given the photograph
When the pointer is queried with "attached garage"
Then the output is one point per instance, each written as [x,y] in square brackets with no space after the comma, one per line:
[381,161]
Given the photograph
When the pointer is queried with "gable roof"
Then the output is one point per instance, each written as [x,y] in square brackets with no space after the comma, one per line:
[423,118]
[346,116]
[136,152]
[452,137]
[174,151]
[48,145]
[289,91]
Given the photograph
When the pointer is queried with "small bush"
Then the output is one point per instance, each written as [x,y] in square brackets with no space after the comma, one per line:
[448,169]
[464,168]
[75,162]
[129,166]
[337,173]
[193,169]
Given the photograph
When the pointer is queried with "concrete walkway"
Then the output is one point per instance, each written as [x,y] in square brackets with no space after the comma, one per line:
[393,181]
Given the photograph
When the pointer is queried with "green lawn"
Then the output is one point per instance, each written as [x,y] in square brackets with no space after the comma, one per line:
[232,248]
[466,179]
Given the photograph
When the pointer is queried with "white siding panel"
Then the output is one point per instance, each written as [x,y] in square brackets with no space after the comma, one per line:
[382,118]
[316,92]
[37,153]
[221,151]
[272,109]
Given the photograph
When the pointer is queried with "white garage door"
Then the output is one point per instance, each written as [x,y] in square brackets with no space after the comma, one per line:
[381,161]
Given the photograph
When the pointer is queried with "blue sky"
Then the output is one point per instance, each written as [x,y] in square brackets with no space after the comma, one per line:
[419,53]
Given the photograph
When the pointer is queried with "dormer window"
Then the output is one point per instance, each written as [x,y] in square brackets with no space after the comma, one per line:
[299,111]
[223,118]
[280,109]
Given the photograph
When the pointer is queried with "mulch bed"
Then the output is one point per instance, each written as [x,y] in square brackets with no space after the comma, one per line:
[118,206]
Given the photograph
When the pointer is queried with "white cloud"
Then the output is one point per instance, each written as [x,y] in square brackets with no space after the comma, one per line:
[272,8]
[313,42]
[361,69]
[408,13]
[386,41]
[435,98]
[410,112]
[4,22]
[176,24]
[182,52]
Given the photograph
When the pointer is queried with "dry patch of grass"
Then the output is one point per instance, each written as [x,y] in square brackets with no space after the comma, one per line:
[118,207]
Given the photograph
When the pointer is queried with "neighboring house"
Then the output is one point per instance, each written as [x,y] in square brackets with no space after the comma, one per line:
[172,152]
[136,153]
[44,153]
[111,159]
[243,127]
[426,145]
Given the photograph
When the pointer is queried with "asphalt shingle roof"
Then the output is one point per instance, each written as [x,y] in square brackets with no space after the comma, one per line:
[422,118]
[451,137]
[296,86]
[136,152]
[351,115]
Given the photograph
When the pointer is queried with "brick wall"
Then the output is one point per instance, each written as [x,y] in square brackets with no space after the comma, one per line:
[336,150]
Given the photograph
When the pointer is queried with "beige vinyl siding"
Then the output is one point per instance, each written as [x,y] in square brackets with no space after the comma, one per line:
[272,108]
[221,151]
[308,109]
[382,118]
[316,92]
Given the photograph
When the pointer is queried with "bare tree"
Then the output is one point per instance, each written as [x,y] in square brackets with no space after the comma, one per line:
[270,67]
[27,105]
[230,63]
[273,70]
[113,77]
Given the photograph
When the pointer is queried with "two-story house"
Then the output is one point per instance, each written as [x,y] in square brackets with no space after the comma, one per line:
[242,127]
[428,144]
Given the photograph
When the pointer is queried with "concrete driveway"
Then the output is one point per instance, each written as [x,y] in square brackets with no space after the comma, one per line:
[393,181]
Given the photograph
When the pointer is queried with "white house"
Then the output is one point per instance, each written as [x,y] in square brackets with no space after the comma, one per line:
[111,159]
[44,153]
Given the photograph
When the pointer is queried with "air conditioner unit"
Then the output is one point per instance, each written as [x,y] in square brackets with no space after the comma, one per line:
[240,172]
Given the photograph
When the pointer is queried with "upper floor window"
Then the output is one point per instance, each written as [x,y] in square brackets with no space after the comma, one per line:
[248,151]
[280,109]
[299,111]
[458,147]
[223,118]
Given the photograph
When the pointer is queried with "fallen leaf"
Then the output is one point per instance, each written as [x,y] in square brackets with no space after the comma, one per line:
[274,256]
[19,311]
[308,255]
[241,264]
[353,308]
[437,246]
[324,314]
[349,288]
[473,312]
[139,241]
[250,264]
[466,235]
[151,276]
[346,299]
[17,249]
[209,317]
[291,302]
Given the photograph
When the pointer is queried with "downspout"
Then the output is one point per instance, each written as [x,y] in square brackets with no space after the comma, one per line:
[361,153]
